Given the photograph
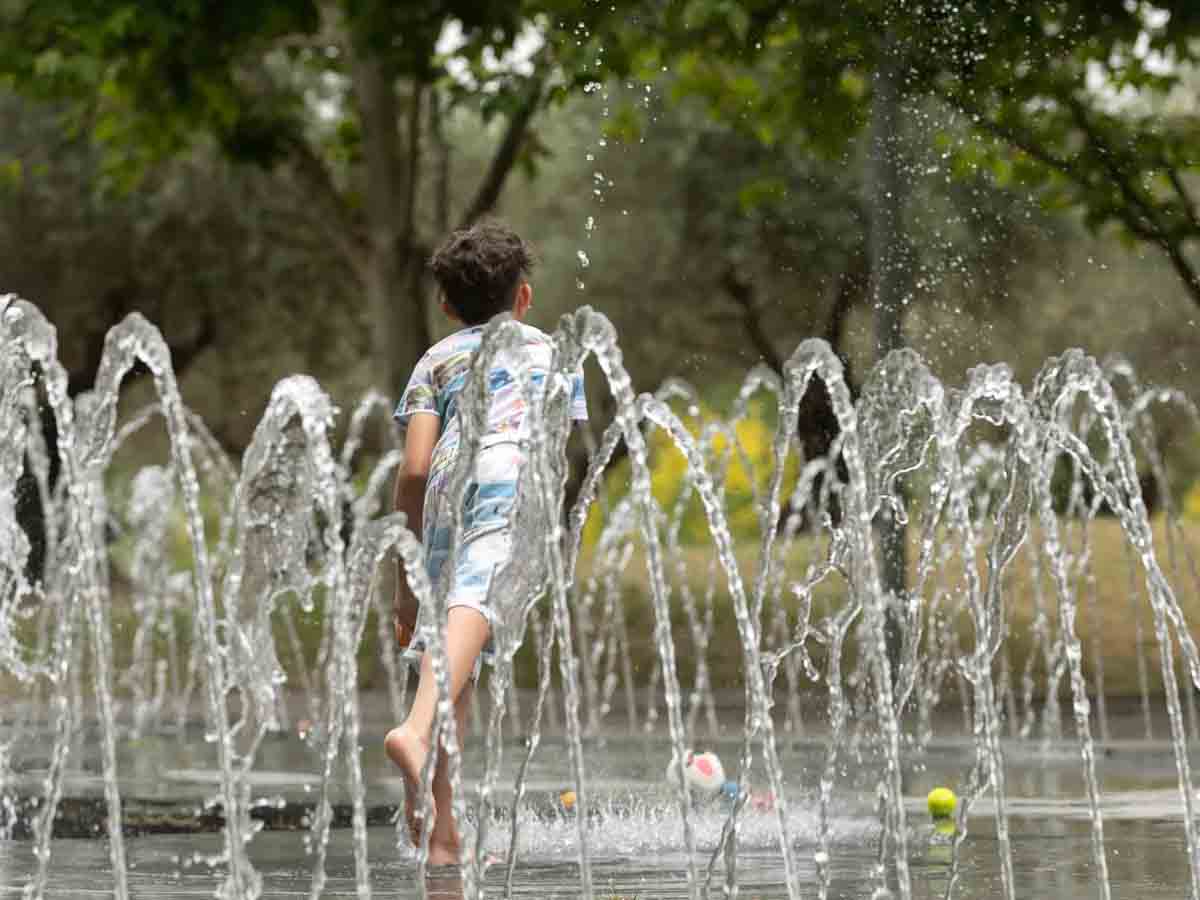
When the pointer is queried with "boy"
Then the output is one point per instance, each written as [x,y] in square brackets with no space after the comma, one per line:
[482,272]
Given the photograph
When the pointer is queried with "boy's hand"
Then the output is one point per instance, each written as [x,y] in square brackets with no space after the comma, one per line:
[404,613]
[404,633]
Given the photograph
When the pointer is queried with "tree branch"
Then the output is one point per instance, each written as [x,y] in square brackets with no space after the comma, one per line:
[817,425]
[1010,135]
[844,293]
[505,157]
[741,292]
[185,353]
[1108,160]
[1183,267]
[114,305]
[1170,243]
[1136,215]
[1185,197]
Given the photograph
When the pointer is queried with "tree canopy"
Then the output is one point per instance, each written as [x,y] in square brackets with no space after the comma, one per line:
[348,97]
[376,127]
[1071,99]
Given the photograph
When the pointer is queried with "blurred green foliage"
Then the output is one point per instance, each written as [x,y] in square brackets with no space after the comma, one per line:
[745,118]
[1086,102]
[160,157]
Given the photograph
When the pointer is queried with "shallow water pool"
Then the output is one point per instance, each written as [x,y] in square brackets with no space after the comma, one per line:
[635,833]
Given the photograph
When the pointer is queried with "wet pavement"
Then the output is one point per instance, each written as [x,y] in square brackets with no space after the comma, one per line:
[635,832]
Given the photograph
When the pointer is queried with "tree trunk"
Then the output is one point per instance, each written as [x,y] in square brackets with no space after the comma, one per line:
[889,284]
[399,332]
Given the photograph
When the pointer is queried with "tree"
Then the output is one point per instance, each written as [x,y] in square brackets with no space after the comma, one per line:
[208,251]
[1076,101]
[1071,96]
[346,98]
[833,79]
[837,77]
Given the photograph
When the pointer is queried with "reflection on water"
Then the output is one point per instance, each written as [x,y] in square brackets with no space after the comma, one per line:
[444,885]
[1147,860]
[634,831]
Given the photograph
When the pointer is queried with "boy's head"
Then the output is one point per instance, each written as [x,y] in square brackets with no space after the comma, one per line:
[482,272]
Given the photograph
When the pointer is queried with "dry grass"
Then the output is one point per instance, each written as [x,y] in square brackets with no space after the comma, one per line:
[1107,620]
[1108,627]
[1114,608]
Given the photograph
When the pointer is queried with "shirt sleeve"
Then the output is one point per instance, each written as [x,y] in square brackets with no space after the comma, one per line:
[579,411]
[419,395]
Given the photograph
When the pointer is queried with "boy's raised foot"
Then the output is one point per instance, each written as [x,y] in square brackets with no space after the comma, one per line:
[408,751]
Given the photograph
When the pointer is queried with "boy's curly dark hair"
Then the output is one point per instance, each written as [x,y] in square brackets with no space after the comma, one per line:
[479,269]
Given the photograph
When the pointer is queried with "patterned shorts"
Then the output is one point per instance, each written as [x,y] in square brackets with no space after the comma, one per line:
[485,549]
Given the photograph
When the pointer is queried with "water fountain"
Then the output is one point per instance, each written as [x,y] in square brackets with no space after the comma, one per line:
[989,477]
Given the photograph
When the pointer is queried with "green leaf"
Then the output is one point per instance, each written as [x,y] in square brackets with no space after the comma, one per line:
[48,63]
[761,192]
[11,173]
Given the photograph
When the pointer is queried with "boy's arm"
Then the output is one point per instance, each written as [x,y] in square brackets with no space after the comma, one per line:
[408,497]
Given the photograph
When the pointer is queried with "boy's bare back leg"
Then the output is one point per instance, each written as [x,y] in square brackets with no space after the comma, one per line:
[445,844]
[408,745]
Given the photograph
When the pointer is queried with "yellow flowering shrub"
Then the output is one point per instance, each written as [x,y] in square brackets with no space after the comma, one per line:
[1191,503]
[745,473]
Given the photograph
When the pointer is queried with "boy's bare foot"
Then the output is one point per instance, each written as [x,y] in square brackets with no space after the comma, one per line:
[444,886]
[409,751]
[444,853]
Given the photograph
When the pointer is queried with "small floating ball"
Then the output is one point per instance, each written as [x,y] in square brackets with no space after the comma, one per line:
[706,772]
[729,790]
[567,799]
[702,772]
[942,803]
[762,801]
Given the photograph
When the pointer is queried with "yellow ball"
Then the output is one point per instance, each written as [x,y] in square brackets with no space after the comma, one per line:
[567,799]
[942,803]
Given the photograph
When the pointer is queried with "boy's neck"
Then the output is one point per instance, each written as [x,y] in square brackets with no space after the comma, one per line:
[460,325]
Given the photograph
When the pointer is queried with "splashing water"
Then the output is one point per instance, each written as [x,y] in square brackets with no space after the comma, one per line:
[989,480]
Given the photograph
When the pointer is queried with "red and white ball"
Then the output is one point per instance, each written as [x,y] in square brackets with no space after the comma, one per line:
[702,772]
